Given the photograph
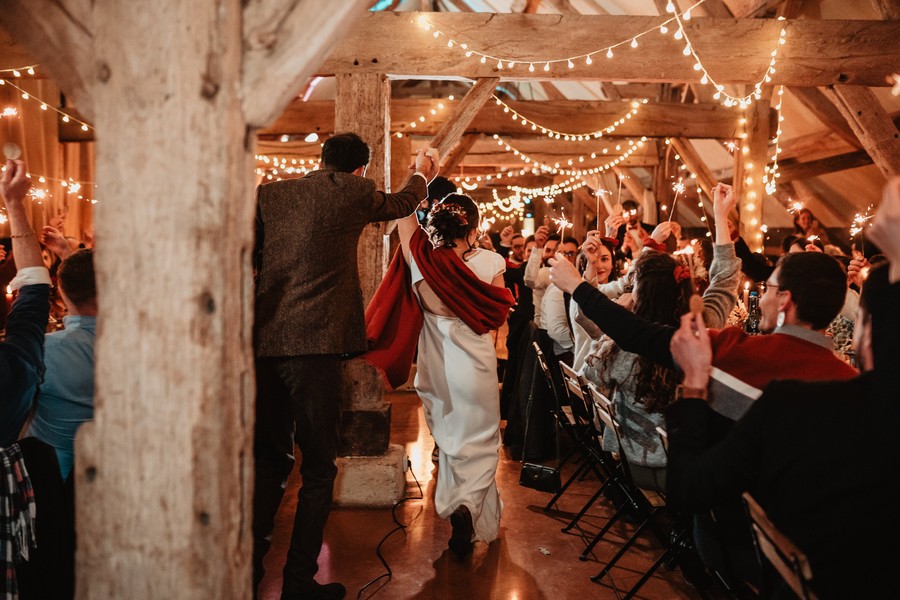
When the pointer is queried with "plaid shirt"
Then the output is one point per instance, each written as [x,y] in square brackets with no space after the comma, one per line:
[17,511]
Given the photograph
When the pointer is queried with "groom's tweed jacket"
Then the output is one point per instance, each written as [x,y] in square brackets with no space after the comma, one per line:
[308,296]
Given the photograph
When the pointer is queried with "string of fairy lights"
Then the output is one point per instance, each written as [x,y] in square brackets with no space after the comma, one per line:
[423,117]
[66,118]
[557,169]
[680,34]
[569,135]
[276,166]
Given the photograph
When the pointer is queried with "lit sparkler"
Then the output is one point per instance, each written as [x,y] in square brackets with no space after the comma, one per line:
[562,222]
[9,111]
[678,186]
[794,207]
[859,225]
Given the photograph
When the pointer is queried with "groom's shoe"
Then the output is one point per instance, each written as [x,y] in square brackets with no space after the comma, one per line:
[463,532]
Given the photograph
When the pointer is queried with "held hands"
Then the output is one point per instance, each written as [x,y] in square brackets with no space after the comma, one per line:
[563,273]
[428,162]
[540,236]
[14,185]
[724,200]
[692,350]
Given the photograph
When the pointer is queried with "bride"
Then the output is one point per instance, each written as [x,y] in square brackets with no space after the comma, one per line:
[459,298]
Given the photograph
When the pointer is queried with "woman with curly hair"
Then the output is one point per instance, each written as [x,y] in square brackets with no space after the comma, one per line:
[457,298]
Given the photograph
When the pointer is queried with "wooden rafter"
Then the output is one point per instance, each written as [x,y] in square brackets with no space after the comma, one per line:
[653,119]
[455,156]
[825,110]
[871,124]
[455,127]
[631,182]
[61,39]
[742,9]
[695,164]
[791,170]
[818,53]
[276,49]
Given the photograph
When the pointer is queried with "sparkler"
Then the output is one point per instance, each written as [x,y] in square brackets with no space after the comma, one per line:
[859,225]
[562,222]
[678,186]
[794,207]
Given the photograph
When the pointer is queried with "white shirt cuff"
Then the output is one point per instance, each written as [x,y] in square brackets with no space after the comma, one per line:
[30,276]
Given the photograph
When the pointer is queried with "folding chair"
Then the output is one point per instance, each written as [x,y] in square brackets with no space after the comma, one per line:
[790,562]
[580,424]
[565,421]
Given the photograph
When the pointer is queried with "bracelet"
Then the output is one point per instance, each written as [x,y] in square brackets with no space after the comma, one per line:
[23,235]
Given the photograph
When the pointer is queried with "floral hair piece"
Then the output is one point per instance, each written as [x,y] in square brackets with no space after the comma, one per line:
[454,209]
[681,273]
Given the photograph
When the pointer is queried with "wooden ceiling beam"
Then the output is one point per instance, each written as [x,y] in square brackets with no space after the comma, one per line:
[631,182]
[451,163]
[60,39]
[691,158]
[455,126]
[824,110]
[792,170]
[871,124]
[742,9]
[652,120]
[279,55]
[818,52]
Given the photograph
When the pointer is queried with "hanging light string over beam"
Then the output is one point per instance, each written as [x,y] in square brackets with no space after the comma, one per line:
[771,173]
[467,182]
[422,118]
[44,105]
[706,78]
[679,34]
[569,61]
[556,170]
[568,135]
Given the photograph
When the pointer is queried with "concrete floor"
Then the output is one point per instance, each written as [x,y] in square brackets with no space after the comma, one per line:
[532,559]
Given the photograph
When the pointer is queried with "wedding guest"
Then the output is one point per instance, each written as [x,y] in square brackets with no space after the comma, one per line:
[806,224]
[783,449]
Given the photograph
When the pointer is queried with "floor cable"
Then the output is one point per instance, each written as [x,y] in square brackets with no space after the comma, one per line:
[385,577]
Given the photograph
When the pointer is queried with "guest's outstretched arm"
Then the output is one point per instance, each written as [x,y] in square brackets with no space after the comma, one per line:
[630,332]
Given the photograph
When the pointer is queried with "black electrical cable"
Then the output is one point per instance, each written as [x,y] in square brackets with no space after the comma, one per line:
[388,574]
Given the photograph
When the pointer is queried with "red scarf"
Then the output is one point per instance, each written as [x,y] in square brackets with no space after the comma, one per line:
[394,317]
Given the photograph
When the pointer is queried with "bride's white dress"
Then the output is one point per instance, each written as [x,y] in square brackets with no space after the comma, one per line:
[456,377]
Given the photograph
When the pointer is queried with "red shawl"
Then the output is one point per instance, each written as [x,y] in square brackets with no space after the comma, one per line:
[394,317]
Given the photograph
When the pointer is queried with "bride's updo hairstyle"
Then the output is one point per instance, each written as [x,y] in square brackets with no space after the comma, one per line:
[452,219]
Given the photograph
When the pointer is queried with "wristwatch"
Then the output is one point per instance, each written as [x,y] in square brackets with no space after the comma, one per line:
[682,392]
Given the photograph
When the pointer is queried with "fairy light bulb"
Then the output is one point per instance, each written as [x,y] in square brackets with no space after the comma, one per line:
[546,66]
[571,64]
[634,43]
[686,15]
[678,34]
[670,7]
[663,29]
[588,59]
[609,53]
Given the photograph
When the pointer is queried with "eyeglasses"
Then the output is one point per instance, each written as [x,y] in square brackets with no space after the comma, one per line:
[766,285]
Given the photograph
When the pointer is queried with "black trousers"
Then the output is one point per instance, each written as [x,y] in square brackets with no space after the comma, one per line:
[297,401]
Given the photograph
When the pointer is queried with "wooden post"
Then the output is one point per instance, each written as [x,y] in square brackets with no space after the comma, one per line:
[750,202]
[163,474]
[362,105]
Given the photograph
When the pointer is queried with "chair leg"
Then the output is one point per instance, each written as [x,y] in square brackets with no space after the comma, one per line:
[565,486]
[612,562]
[602,532]
[586,506]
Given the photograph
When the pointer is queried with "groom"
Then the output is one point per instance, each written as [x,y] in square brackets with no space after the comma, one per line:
[309,313]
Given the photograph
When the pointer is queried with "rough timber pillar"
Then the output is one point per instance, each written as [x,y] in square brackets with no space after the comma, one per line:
[363,106]
[163,474]
[750,200]
[370,469]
